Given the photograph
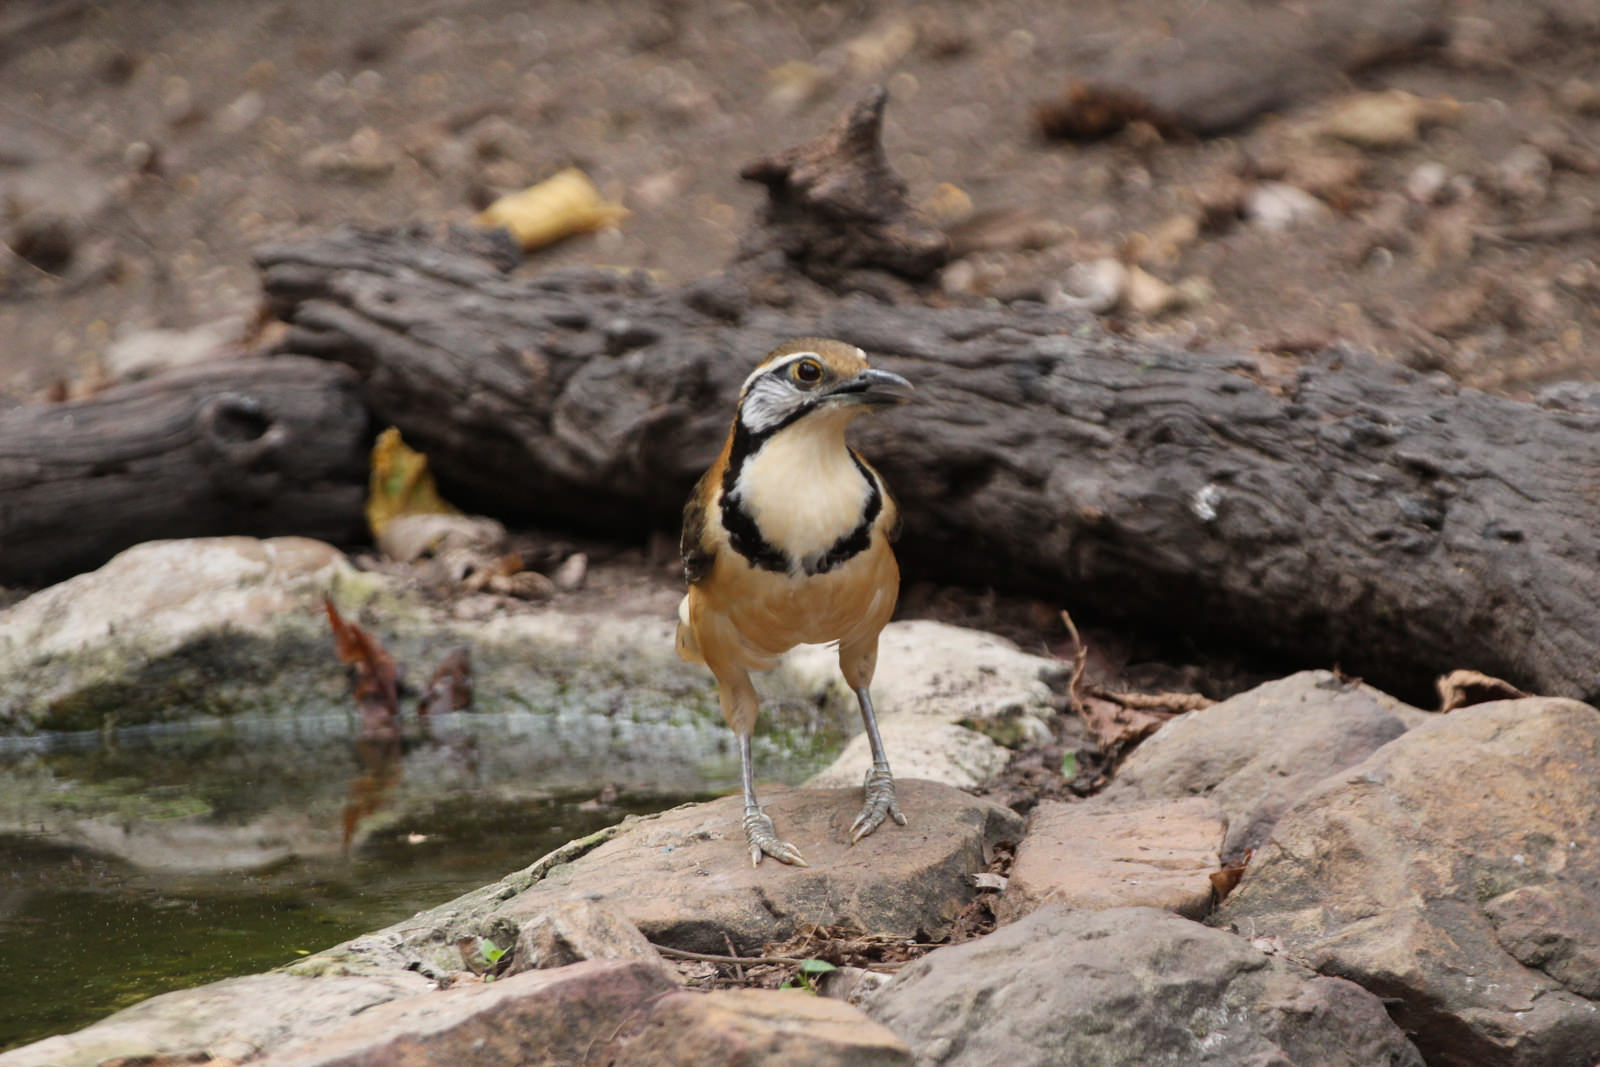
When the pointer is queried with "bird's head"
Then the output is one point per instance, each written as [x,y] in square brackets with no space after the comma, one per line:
[815,378]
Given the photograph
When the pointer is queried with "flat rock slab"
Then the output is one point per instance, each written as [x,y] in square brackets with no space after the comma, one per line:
[1457,870]
[758,1026]
[1093,855]
[1129,987]
[1258,752]
[233,1019]
[550,1018]
[684,878]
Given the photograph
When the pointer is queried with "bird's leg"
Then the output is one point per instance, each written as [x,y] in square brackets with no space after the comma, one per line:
[758,828]
[880,783]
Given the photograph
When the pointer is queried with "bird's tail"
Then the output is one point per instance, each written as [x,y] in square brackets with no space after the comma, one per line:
[688,647]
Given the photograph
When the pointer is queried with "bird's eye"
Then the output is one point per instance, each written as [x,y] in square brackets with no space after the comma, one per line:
[807,372]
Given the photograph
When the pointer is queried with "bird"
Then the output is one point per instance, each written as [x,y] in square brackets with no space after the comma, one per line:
[787,540]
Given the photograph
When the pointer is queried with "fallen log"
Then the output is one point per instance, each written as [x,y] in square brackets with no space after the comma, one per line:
[1340,510]
[259,446]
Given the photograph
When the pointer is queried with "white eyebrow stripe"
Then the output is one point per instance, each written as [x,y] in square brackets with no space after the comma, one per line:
[768,367]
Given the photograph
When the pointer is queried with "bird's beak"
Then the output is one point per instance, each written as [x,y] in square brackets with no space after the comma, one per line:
[871,387]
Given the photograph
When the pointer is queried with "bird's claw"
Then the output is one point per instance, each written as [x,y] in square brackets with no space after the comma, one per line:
[879,788]
[763,839]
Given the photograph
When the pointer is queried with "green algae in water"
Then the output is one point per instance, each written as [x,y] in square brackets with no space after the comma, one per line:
[159,857]
[86,936]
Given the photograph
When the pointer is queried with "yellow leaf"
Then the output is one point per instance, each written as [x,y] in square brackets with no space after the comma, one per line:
[400,484]
[560,206]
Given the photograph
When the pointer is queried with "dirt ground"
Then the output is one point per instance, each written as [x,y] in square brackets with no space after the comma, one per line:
[146,148]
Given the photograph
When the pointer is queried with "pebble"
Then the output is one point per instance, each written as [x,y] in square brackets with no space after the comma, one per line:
[1279,206]
[1426,183]
[1523,175]
[1093,286]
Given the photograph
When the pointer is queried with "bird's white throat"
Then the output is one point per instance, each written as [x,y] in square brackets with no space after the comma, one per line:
[803,489]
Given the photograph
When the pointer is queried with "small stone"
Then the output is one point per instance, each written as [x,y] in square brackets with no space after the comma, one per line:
[242,113]
[1145,294]
[1427,182]
[1095,286]
[1279,206]
[1391,119]
[1523,175]
[571,574]
[524,585]
[1579,95]
[570,931]
[364,157]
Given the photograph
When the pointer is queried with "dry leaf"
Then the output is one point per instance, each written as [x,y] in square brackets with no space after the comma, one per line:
[564,204]
[377,690]
[1227,877]
[399,484]
[451,686]
[1458,689]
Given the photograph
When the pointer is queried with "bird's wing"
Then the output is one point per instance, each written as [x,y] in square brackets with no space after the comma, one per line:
[697,555]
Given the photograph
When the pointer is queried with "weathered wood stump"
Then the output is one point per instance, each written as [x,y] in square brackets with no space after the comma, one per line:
[1340,510]
[260,446]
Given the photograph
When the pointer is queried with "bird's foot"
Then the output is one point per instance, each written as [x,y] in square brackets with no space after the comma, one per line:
[763,838]
[880,802]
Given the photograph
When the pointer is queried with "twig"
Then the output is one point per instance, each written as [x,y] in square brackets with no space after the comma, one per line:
[741,961]
[1560,228]
[1080,659]
[737,961]
[1174,702]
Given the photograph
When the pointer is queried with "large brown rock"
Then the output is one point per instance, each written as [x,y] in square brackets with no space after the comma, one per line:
[1256,753]
[1095,855]
[1128,987]
[1456,870]
[759,1026]
[684,878]
[549,1018]
[233,1019]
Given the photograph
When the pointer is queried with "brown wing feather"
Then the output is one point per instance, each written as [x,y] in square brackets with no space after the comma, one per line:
[697,557]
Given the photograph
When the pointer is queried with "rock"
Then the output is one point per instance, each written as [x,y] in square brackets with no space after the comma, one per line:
[918,748]
[933,670]
[1580,96]
[570,576]
[1094,286]
[408,538]
[143,353]
[92,645]
[363,158]
[1145,294]
[1426,183]
[1095,855]
[257,1012]
[1258,752]
[539,1019]
[1551,928]
[684,879]
[1390,119]
[753,1026]
[1129,986]
[1279,206]
[571,931]
[1443,868]
[931,677]
[1523,175]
